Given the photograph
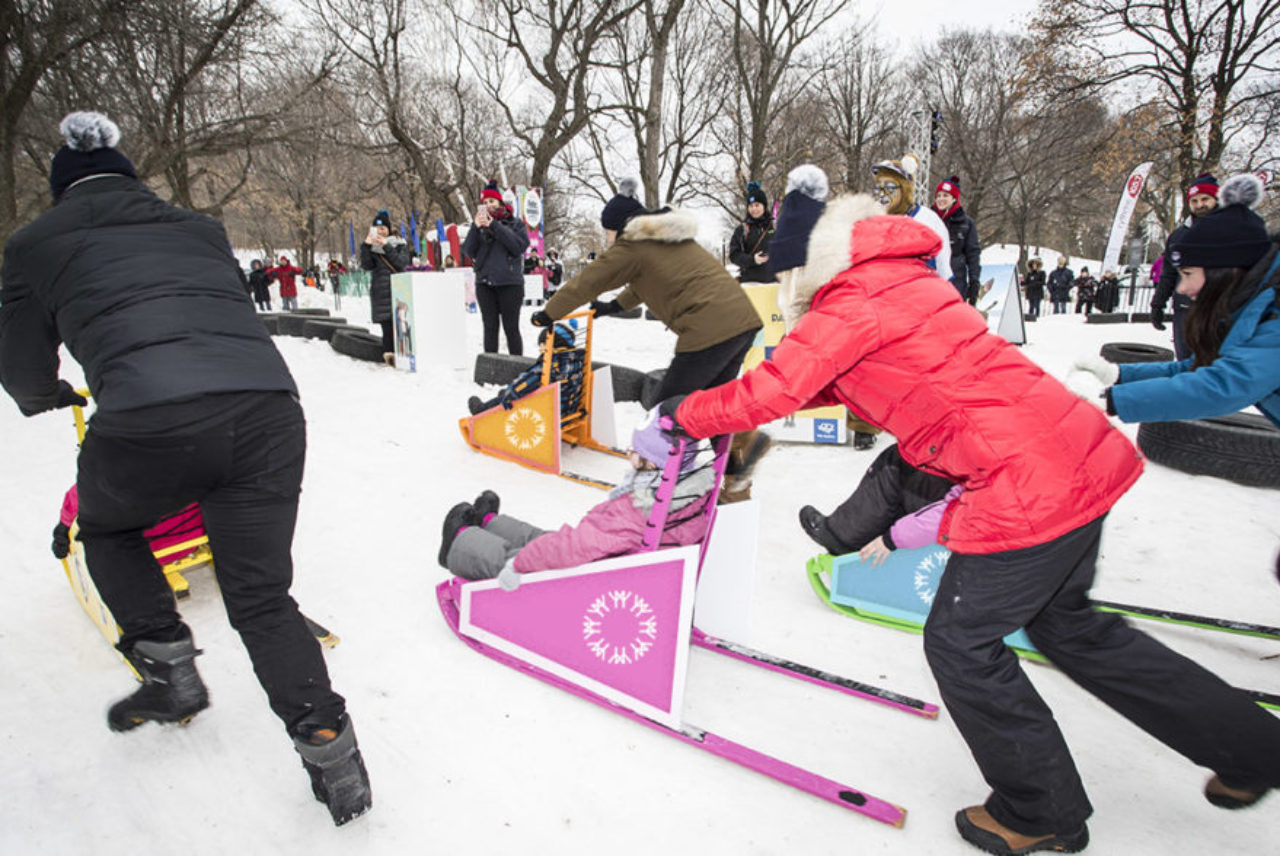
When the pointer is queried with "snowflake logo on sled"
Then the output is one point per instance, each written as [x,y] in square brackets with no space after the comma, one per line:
[525,428]
[926,574]
[619,627]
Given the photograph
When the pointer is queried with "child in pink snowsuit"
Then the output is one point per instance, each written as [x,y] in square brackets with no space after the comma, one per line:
[480,543]
[174,529]
[918,529]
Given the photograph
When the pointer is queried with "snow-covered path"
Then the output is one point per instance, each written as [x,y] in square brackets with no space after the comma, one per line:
[468,757]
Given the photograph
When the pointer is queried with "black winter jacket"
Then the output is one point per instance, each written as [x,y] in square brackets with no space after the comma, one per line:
[1060,282]
[395,254]
[260,286]
[147,297]
[1033,283]
[751,237]
[497,251]
[966,254]
[1168,283]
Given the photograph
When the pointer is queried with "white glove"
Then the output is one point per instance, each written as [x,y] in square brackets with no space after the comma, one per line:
[1106,372]
[509,577]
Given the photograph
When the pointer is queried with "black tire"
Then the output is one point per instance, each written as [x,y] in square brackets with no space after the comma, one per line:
[291,325]
[500,369]
[312,312]
[649,395]
[317,329]
[358,344]
[1106,318]
[1140,318]
[628,384]
[272,323]
[1135,352]
[1243,447]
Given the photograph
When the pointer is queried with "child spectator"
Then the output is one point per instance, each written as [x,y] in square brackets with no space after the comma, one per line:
[479,543]
[260,284]
[1086,289]
[567,364]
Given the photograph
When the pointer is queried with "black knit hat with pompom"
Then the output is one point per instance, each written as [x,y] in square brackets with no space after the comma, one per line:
[90,149]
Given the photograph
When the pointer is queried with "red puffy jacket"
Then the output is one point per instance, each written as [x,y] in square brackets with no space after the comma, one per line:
[895,344]
[284,275]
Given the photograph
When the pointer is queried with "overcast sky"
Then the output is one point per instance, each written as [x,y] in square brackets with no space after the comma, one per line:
[920,20]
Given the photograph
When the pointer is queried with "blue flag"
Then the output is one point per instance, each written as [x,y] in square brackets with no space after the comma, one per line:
[351,235]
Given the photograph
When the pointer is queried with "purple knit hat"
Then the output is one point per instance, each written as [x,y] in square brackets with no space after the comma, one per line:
[653,444]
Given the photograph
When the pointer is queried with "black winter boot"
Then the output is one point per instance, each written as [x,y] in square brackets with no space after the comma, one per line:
[332,759]
[475,405]
[458,517]
[486,503]
[862,441]
[171,688]
[814,524]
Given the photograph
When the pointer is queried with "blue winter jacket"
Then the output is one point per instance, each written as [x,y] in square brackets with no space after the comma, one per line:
[1247,370]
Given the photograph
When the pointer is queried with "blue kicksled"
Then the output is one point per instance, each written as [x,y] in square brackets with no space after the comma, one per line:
[899,593]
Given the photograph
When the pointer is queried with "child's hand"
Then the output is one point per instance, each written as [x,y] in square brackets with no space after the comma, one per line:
[875,553]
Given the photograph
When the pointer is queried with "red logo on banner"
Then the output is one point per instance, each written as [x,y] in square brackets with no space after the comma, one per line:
[1264,175]
[1135,185]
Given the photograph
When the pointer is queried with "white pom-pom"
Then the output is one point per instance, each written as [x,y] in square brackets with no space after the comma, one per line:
[1244,189]
[86,131]
[910,165]
[629,186]
[809,180]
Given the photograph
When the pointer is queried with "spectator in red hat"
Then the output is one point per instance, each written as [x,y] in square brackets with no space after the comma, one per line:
[496,242]
[966,253]
[1202,197]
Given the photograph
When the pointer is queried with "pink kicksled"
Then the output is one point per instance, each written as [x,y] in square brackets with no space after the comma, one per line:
[617,632]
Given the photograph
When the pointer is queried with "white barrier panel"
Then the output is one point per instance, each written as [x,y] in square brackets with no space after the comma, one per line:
[427,313]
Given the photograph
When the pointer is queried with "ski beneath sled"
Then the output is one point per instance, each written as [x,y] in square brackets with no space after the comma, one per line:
[814,676]
[850,798]
[324,635]
[1203,622]
[815,568]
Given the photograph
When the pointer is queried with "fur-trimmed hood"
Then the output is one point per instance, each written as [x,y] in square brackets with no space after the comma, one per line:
[853,229]
[669,226]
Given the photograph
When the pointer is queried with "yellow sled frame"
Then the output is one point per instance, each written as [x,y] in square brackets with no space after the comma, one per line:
[82,584]
[573,428]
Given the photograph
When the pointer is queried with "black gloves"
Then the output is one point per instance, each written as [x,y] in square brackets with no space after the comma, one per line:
[67,396]
[606,307]
[61,541]
[541,319]
[1157,317]
[668,407]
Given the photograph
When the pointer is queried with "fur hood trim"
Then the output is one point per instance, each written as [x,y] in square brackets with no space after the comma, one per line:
[670,227]
[830,253]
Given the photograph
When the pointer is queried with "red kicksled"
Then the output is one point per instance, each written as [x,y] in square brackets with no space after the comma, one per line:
[618,633]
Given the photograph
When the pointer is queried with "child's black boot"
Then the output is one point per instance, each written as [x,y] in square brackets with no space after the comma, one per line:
[458,517]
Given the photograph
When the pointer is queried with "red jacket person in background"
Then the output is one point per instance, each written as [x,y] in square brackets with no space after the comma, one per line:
[284,274]
[886,337]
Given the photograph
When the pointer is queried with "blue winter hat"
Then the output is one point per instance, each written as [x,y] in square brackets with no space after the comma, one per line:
[382,218]
[90,149]
[653,444]
[623,206]
[804,203]
[755,193]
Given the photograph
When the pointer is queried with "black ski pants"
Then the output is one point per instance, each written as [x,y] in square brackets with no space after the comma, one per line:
[691,371]
[891,488]
[501,303]
[1011,731]
[246,473]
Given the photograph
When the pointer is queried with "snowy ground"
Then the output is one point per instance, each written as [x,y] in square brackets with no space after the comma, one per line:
[468,757]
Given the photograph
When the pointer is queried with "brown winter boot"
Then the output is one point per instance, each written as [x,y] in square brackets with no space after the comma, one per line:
[1223,795]
[734,490]
[745,451]
[979,828]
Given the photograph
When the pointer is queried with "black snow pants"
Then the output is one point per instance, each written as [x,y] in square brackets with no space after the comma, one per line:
[691,371]
[1011,731]
[891,488]
[245,471]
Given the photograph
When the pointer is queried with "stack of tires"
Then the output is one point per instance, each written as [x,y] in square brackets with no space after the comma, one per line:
[349,339]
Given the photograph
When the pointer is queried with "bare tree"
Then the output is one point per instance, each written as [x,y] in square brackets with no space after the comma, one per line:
[555,48]
[1199,55]
[37,37]
[858,103]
